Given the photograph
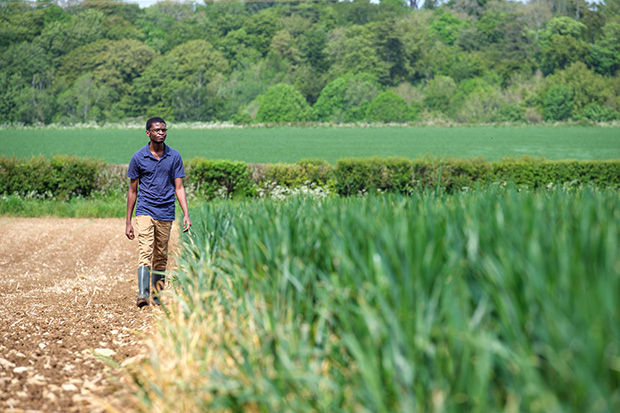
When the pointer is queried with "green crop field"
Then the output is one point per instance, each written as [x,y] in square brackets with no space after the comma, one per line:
[485,301]
[290,144]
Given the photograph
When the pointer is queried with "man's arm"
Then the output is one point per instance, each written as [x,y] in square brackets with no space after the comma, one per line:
[179,189]
[132,195]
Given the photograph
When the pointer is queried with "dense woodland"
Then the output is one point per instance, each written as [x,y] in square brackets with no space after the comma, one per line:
[464,61]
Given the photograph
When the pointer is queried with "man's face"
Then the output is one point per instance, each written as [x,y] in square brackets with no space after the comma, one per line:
[157,133]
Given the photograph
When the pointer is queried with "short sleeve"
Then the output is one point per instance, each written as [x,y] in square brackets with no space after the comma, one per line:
[179,171]
[134,171]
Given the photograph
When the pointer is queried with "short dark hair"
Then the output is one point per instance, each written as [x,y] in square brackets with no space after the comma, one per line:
[151,121]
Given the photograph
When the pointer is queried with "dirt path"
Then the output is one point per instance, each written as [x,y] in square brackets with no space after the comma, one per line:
[67,291]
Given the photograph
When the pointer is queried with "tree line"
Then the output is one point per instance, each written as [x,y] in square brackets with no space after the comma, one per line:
[464,61]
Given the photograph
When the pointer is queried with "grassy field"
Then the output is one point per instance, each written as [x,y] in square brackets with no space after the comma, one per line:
[485,301]
[289,145]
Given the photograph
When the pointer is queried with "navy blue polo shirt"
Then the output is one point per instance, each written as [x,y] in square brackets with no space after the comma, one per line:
[156,191]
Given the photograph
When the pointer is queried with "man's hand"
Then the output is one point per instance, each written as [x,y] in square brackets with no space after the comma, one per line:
[186,223]
[129,231]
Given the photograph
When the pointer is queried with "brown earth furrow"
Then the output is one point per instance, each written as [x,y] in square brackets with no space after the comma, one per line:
[67,298]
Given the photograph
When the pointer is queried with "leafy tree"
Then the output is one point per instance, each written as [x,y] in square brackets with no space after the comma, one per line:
[7,98]
[35,102]
[511,113]
[85,101]
[19,23]
[261,28]
[605,52]
[61,37]
[312,45]
[28,101]
[283,103]
[308,81]
[187,70]
[439,94]
[471,7]
[598,113]
[465,65]
[237,49]
[446,27]
[514,54]
[114,64]
[114,8]
[610,8]
[25,60]
[282,45]
[117,28]
[561,51]
[346,98]
[417,42]
[490,25]
[218,59]
[168,24]
[54,13]
[483,104]
[586,85]
[563,26]
[536,15]
[352,50]
[558,103]
[389,46]
[223,17]
[357,12]
[240,91]
[389,107]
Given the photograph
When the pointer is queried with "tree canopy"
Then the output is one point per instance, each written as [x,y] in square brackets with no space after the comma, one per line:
[330,61]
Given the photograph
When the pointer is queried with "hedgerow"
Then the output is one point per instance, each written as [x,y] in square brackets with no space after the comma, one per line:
[60,177]
[65,177]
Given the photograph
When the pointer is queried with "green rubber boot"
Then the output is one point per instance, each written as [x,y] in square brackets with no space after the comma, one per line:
[158,281]
[144,282]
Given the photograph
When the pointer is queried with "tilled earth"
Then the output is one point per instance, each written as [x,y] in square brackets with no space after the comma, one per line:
[67,302]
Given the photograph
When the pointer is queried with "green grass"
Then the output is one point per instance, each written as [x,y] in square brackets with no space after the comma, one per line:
[109,207]
[113,206]
[490,300]
[289,145]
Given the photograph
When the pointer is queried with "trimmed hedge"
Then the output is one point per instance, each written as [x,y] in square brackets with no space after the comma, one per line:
[355,176]
[63,177]
[223,179]
[307,171]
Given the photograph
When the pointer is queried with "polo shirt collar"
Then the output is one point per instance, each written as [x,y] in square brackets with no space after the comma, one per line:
[146,152]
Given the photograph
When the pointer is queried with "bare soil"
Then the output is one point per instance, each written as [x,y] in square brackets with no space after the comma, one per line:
[68,291]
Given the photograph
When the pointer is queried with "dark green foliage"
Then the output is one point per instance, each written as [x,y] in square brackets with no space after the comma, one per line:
[606,51]
[219,179]
[440,94]
[358,176]
[64,177]
[400,175]
[511,113]
[597,113]
[346,98]
[261,28]
[558,103]
[109,62]
[536,173]
[447,27]
[283,103]
[61,177]
[305,172]
[389,107]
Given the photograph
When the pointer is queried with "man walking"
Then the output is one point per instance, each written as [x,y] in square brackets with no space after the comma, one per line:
[156,175]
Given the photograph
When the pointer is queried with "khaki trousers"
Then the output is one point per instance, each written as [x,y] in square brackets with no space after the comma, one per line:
[153,237]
